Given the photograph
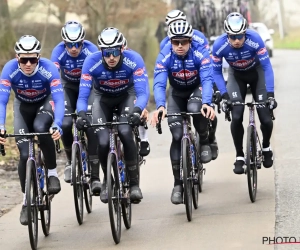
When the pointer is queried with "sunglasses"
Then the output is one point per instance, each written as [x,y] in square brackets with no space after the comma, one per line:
[114,52]
[181,41]
[234,37]
[32,60]
[71,45]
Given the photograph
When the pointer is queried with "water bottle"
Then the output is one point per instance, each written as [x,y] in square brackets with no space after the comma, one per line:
[83,160]
[193,154]
[122,172]
[41,176]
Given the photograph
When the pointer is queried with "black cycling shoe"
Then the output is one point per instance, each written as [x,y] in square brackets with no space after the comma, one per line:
[67,172]
[176,197]
[96,187]
[135,194]
[53,185]
[145,148]
[239,166]
[103,193]
[268,157]
[214,150]
[205,153]
[23,216]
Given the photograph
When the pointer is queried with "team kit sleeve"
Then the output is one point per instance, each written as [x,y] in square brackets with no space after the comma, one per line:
[57,93]
[55,58]
[5,87]
[141,84]
[160,80]
[85,86]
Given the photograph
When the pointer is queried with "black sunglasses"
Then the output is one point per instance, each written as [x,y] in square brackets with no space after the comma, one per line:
[180,41]
[32,60]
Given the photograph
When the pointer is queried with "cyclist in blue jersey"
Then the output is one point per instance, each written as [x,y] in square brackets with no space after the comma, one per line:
[188,66]
[120,80]
[68,56]
[39,100]
[249,62]
[145,146]
[198,37]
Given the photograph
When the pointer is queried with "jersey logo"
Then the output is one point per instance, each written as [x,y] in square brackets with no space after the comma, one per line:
[185,74]
[252,44]
[55,83]
[216,59]
[129,63]
[262,51]
[73,72]
[242,63]
[57,65]
[114,83]
[86,77]
[158,65]
[205,61]
[139,72]
[31,93]
[52,105]
[5,82]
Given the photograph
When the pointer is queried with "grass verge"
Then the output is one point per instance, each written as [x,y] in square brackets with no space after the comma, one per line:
[290,41]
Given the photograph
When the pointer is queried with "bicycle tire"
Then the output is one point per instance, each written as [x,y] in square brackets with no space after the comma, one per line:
[31,199]
[200,167]
[77,182]
[187,182]
[126,207]
[196,182]
[46,219]
[251,163]
[137,145]
[87,189]
[114,203]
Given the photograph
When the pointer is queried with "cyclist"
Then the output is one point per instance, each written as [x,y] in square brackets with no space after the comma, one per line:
[119,76]
[198,37]
[188,67]
[68,56]
[249,62]
[145,146]
[34,80]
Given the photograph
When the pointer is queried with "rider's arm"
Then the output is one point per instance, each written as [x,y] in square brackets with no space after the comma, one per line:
[56,56]
[206,74]
[57,93]
[265,62]
[85,86]
[160,79]
[5,87]
[163,43]
[217,70]
[141,83]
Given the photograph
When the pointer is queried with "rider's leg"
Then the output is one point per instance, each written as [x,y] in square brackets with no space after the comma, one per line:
[237,89]
[259,92]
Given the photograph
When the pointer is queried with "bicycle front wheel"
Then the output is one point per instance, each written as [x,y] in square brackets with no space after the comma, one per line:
[87,189]
[251,163]
[45,209]
[77,182]
[187,181]
[113,195]
[31,200]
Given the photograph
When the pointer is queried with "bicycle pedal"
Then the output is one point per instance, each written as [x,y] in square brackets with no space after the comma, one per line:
[136,201]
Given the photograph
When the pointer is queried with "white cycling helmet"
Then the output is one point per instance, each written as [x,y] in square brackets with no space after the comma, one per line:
[174,15]
[125,43]
[72,32]
[180,28]
[235,24]
[28,44]
[110,37]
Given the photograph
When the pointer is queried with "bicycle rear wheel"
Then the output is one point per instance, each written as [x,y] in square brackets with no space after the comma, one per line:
[187,181]
[200,167]
[196,182]
[87,189]
[251,163]
[45,210]
[31,199]
[126,206]
[77,182]
[113,195]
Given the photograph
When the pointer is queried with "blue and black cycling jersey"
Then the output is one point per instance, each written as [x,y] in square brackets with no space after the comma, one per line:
[131,73]
[70,67]
[44,81]
[247,58]
[184,73]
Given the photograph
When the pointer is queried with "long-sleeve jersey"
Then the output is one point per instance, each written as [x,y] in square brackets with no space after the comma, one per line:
[197,37]
[249,56]
[184,73]
[131,73]
[44,81]
[70,67]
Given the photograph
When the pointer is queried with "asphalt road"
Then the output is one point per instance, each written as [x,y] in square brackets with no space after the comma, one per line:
[225,219]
